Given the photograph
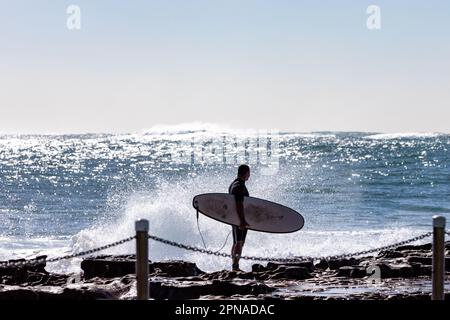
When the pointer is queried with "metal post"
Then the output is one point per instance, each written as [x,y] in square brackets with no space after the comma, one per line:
[438,257]
[142,289]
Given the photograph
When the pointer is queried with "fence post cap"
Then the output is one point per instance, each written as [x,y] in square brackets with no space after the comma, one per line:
[141,225]
[438,221]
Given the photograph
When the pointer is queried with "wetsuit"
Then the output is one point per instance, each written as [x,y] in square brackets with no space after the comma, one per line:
[239,190]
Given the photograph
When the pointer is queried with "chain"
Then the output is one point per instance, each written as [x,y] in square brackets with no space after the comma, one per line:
[188,247]
[447,232]
[91,251]
[43,259]
[388,247]
[295,259]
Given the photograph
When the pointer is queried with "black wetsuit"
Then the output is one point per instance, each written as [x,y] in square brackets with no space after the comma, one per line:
[239,190]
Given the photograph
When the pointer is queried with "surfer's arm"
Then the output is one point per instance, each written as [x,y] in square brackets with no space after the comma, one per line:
[239,195]
[240,212]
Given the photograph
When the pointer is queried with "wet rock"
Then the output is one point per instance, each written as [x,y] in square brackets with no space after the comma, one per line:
[174,290]
[101,288]
[292,273]
[420,259]
[249,276]
[389,254]
[177,268]
[352,272]
[20,273]
[428,261]
[219,275]
[402,270]
[421,270]
[386,270]
[30,275]
[416,268]
[322,264]
[29,293]
[335,264]
[303,264]
[258,268]
[80,291]
[107,266]
[424,271]
[259,272]
[426,246]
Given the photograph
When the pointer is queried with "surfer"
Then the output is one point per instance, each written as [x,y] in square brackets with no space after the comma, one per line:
[239,190]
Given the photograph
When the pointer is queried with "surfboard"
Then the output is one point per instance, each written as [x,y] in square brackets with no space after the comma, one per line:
[261,215]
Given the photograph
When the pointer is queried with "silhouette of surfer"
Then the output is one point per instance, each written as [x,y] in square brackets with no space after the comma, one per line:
[239,190]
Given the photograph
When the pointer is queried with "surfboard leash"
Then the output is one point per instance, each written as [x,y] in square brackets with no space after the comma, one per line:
[226,240]
[201,235]
[199,231]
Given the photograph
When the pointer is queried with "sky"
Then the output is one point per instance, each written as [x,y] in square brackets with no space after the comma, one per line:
[269,64]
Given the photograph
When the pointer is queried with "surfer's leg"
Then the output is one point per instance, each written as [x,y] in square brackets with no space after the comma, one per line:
[238,249]
[233,248]
[233,254]
[239,239]
[235,259]
[235,251]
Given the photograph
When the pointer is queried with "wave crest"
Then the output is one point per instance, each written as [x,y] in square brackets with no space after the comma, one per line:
[407,135]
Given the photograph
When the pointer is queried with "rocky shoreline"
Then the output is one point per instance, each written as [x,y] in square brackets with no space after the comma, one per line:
[401,273]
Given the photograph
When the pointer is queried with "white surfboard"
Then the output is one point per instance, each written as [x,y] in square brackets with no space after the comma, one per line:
[261,215]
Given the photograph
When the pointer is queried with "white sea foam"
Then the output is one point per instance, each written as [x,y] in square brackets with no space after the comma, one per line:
[410,135]
[28,248]
[208,129]
[189,127]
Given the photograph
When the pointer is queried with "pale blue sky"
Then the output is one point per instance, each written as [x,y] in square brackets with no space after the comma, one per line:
[290,65]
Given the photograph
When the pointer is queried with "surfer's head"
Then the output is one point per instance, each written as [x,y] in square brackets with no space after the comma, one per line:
[244,172]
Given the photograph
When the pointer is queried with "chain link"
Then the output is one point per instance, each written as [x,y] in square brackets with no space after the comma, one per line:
[295,259]
[43,259]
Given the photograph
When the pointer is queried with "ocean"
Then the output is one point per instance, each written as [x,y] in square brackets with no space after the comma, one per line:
[62,194]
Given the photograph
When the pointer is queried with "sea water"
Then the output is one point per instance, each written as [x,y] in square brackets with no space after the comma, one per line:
[62,194]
